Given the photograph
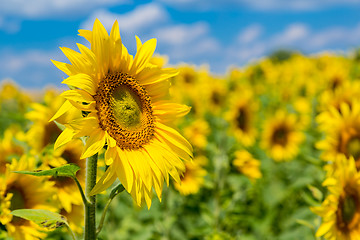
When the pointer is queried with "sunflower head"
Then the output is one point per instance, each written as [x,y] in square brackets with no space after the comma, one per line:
[15,193]
[340,211]
[124,106]
[342,133]
[282,136]
[247,165]
[241,116]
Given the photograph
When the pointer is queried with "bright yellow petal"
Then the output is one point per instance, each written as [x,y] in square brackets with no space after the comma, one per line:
[155,75]
[124,171]
[82,81]
[62,110]
[172,136]
[104,182]
[143,56]
[63,67]
[100,46]
[94,144]
[65,137]
[169,111]
[87,34]
[77,95]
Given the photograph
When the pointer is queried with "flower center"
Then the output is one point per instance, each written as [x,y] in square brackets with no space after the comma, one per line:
[353,147]
[280,136]
[17,202]
[242,119]
[347,214]
[125,110]
[128,107]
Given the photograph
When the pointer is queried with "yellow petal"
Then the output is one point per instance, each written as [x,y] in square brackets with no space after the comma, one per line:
[63,67]
[100,46]
[82,81]
[87,34]
[62,110]
[94,144]
[65,137]
[153,75]
[138,43]
[77,95]
[124,171]
[324,228]
[115,32]
[169,111]
[172,136]
[110,155]
[104,182]
[143,56]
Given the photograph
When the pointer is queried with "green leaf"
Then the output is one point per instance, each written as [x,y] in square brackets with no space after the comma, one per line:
[44,218]
[68,170]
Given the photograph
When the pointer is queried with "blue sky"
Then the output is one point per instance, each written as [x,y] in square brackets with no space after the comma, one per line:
[218,34]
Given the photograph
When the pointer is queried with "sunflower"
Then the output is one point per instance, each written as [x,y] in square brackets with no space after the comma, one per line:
[75,218]
[122,99]
[42,132]
[340,211]
[66,188]
[197,133]
[241,117]
[342,133]
[15,193]
[247,165]
[9,148]
[282,136]
[193,178]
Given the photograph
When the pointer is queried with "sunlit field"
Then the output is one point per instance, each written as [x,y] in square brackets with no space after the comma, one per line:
[276,148]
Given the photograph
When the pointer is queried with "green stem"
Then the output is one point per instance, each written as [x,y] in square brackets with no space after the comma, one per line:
[90,207]
[118,189]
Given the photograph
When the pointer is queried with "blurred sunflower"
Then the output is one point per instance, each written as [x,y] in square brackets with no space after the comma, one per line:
[66,188]
[247,164]
[216,95]
[241,116]
[9,148]
[193,177]
[125,111]
[15,193]
[340,211]
[342,133]
[197,133]
[282,136]
[75,218]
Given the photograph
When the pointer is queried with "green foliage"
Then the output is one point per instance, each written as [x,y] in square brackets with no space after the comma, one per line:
[68,170]
[44,218]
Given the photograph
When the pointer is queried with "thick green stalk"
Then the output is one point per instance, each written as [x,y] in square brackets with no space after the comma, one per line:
[90,207]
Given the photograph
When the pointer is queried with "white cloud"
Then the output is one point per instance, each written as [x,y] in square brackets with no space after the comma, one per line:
[31,67]
[250,34]
[36,9]
[292,34]
[182,33]
[263,5]
[141,17]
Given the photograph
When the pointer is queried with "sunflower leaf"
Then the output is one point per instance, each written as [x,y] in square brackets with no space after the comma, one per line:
[68,170]
[44,218]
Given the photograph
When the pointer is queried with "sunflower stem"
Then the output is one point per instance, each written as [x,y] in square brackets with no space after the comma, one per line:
[90,207]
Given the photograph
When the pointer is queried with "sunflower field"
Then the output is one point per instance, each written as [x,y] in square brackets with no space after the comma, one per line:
[267,151]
